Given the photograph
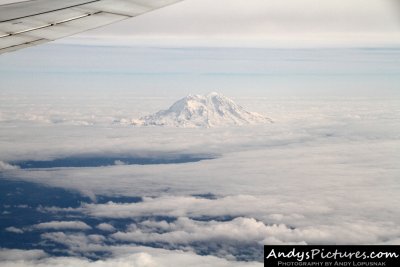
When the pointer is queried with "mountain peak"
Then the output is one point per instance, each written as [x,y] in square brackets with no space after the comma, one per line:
[211,110]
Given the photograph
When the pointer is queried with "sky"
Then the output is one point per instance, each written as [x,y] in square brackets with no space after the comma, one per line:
[287,47]
[284,47]
[263,23]
[179,71]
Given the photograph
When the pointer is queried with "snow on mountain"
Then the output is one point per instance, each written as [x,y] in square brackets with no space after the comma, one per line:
[210,110]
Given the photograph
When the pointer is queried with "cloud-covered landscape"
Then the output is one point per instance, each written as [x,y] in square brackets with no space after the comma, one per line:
[325,172]
[115,152]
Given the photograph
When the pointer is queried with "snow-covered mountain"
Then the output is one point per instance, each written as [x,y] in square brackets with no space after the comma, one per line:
[210,110]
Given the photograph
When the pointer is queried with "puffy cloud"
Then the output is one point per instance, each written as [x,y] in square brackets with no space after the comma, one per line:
[106,227]
[123,257]
[10,255]
[250,231]
[265,219]
[246,219]
[14,230]
[77,243]
[240,232]
[57,225]
[6,166]
[263,207]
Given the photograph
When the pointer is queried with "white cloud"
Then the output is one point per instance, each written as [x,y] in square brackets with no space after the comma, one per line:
[264,208]
[57,225]
[126,256]
[119,162]
[325,172]
[14,230]
[10,255]
[106,227]
[77,243]
[240,232]
[261,219]
[279,222]
[5,166]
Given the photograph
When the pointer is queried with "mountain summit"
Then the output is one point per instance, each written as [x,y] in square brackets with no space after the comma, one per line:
[210,110]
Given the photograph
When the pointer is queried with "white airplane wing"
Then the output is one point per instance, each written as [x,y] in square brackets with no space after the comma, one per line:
[34,22]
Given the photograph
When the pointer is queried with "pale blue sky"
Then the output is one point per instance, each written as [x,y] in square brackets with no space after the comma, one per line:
[179,71]
[258,47]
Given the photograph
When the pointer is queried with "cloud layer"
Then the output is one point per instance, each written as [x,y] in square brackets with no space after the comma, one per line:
[264,23]
[324,173]
[124,256]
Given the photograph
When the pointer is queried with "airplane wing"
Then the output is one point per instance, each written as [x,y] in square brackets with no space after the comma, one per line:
[34,22]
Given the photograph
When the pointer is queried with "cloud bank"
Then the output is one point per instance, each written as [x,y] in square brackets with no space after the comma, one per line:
[124,256]
[324,173]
